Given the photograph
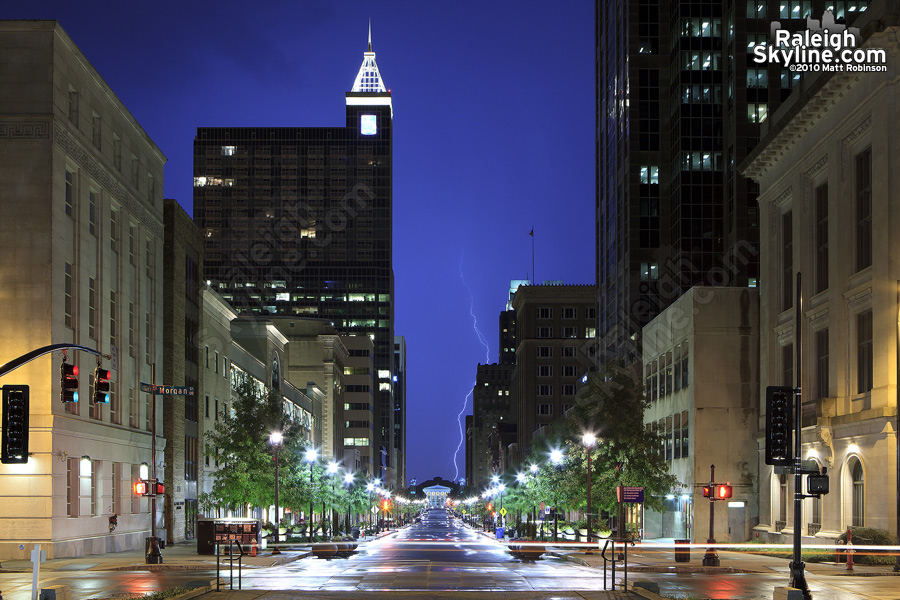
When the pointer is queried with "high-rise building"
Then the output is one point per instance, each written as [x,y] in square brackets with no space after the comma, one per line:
[297,221]
[556,337]
[679,104]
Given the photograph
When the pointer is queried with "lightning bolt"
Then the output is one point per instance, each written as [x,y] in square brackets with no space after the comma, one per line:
[487,360]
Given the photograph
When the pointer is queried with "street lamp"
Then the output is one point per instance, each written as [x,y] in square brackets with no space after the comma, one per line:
[588,439]
[501,487]
[276,439]
[556,457]
[311,456]
[332,470]
[348,480]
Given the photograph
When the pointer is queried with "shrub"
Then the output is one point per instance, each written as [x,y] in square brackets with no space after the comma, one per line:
[869,536]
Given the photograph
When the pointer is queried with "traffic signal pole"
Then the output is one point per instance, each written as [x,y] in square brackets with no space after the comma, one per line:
[798,578]
[154,557]
[711,558]
[30,356]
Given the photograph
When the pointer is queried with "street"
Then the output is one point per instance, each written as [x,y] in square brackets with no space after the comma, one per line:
[440,554]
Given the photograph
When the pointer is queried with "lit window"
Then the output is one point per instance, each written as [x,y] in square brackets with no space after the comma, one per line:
[229,150]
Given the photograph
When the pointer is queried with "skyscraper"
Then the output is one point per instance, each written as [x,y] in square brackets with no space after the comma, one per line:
[679,104]
[297,221]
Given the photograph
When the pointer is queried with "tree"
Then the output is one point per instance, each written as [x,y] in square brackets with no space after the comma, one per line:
[612,406]
[240,445]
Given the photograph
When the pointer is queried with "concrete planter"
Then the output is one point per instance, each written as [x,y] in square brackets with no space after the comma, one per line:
[325,550]
[527,551]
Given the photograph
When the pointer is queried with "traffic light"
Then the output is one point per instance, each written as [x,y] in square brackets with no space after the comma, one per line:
[707,491]
[159,488]
[14,443]
[68,382]
[779,425]
[142,488]
[490,506]
[101,385]
[723,491]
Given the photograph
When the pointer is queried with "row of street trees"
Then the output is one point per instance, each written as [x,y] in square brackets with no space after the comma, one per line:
[245,478]
[626,453]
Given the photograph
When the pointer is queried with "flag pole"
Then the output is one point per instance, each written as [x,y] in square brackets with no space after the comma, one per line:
[534,278]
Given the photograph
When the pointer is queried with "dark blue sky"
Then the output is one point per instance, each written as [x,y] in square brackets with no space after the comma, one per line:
[493,135]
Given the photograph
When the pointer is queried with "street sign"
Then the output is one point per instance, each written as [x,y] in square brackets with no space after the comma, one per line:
[503,512]
[374,510]
[169,390]
[632,494]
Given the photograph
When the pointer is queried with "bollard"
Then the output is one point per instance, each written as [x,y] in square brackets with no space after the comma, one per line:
[849,550]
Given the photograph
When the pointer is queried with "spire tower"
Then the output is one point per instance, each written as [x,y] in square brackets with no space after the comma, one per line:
[368,80]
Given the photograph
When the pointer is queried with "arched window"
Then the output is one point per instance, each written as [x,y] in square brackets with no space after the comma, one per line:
[857,497]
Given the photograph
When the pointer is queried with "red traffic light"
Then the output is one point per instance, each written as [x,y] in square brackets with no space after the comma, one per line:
[707,491]
[490,506]
[160,488]
[723,491]
[68,382]
[141,488]
[101,385]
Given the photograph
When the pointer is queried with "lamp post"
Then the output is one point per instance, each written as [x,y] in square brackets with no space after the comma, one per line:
[556,457]
[370,487]
[276,439]
[588,439]
[534,470]
[348,480]
[311,456]
[332,470]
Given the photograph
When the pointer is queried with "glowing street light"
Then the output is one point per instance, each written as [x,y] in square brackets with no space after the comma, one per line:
[311,456]
[588,439]
[276,439]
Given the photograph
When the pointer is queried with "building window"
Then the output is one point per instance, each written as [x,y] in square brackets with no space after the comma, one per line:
[568,371]
[117,152]
[822,363]
[649,271]
[545,390]
[148,337]
[132,326]
[135,172]
[73,107]
[782,499]
[544,409]
[229,150]
[858,498]
[73,483]
[132,245]
[134,416]
[70,298]
[758,78]
[787,365]
[568,389]
[113,230]
[116,489]
[787,261]
[545,313]
[756,9]
[822,238]
[649,174]
[568,352]
[95,131]
[191,452]
[70,193]
[545,332]
[757,112]
[864,363]
[685,438]
[92,308]
[569,313]
[676,429]
[206,408]
[570,332]
[864,209]
[93,474]
[545,371]
[668,438]
[92,212]
[217,361]
[545,351]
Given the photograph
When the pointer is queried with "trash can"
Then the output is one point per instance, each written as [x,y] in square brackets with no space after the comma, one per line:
[682,551]
[355,533]
[499,533]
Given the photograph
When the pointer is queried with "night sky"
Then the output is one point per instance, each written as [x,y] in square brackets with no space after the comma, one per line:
[493,135]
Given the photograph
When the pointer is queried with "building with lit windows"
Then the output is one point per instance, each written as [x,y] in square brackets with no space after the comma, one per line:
[81,216]
[826,168]
[701,376]
[556,330]
[680,103]
[298,222]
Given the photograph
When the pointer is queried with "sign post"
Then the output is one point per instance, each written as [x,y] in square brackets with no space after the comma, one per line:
[154,557]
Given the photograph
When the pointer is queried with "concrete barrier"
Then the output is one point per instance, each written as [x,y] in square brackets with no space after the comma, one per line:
[56,592]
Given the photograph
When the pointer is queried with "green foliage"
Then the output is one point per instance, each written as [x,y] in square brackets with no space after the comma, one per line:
[869,536]
[240,444]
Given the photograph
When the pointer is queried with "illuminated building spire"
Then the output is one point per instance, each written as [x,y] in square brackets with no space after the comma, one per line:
[368,80]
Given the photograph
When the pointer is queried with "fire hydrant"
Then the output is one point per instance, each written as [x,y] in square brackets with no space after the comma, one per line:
[849,550]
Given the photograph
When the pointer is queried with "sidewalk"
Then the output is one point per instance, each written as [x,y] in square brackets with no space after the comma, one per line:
[659,559]
[181,556]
